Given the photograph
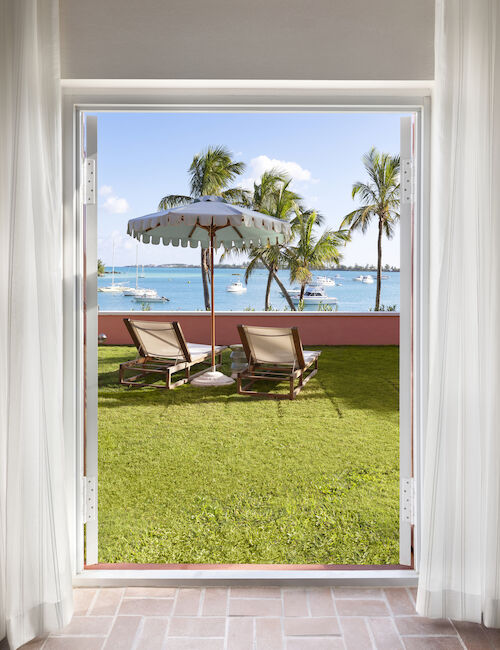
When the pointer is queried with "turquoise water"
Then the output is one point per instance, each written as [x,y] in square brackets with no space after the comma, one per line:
[183,288]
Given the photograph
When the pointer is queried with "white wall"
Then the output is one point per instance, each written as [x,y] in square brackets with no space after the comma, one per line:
[247,39]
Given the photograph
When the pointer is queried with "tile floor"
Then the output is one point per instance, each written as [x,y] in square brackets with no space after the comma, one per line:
[253,618]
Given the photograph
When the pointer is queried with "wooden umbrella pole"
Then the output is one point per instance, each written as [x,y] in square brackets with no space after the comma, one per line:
[212,229]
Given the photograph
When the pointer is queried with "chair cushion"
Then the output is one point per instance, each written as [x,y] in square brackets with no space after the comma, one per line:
[311,355]
[201,351]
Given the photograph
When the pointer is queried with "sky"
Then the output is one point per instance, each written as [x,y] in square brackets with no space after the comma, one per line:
[143,156]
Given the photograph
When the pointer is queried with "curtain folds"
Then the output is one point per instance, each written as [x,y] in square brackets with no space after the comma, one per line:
[35,571]
[460,564]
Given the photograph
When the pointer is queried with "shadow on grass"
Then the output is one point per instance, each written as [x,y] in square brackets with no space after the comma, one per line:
[355,377]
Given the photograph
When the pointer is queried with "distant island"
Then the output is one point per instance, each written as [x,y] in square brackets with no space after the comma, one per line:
[340,267]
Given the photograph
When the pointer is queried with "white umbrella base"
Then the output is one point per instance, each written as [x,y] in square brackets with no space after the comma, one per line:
[212,378]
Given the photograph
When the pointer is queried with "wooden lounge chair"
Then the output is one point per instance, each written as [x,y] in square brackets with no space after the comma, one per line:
[275,354]
[163,351]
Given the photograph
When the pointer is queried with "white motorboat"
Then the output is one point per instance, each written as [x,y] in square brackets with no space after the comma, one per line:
[236,287]
[151,299]
[291,292]
[359,278]
[324,281]
[114,288]
[141,293]
[368,279]
[314,296]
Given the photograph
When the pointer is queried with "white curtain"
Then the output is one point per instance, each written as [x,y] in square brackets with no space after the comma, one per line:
[460,566]
[35,571]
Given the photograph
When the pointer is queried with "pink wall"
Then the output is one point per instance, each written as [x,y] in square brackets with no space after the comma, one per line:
[314,328]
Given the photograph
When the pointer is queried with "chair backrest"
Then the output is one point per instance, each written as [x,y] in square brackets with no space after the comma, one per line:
[272,345]
[158,339]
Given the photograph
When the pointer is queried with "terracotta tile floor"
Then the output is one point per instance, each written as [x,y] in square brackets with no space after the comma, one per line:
[258,618]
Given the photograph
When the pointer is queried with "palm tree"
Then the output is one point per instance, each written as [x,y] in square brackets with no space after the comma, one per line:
[311,250]
[272,196]
[101,268]
[210,173]
[380,199]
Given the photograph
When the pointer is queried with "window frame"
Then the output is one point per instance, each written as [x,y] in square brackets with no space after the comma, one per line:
[231,96]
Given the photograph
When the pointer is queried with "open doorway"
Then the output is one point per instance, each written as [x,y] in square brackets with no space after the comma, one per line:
[209,477]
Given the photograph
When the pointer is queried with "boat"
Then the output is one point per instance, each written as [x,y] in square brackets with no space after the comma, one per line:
[113,288]
[324,281]
[236,287]
[314,296]
[139,292]
[151,299]
[366,279]
[291,292]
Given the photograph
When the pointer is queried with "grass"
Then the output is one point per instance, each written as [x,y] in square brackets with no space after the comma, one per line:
[204,475]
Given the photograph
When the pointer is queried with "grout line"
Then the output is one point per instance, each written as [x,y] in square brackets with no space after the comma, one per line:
[410,596]
[176,597]
[167,631]
[388,604]
[254,631]
[138,633]
[226,640]
[93,602]
[124,589]
[342,636]
[308,604]
[462,642]
[201,601]
[370,632]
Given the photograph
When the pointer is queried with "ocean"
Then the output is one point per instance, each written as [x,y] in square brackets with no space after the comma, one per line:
[183,288]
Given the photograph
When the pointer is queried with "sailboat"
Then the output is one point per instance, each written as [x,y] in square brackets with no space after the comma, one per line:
[142,294]
[113,288]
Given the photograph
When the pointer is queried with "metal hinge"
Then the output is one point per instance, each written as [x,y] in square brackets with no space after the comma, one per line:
[407,496]
[89,498]
[407,181]
[90,181]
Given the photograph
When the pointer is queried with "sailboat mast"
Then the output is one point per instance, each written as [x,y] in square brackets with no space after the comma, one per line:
[113,261]
[137,266]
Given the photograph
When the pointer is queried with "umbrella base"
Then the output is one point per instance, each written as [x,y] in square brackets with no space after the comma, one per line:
[212,378]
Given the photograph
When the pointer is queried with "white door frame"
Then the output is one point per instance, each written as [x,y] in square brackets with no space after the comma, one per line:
[104,95]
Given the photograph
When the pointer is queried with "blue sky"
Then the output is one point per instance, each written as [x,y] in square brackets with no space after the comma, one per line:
[143,156]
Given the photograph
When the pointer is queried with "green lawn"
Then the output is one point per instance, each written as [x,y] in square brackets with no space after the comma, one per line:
[204,475]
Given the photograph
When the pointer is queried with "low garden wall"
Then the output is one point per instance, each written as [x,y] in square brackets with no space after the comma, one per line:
[315,328]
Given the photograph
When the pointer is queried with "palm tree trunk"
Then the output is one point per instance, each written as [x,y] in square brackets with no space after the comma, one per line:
[302,290]
[204,277]
[379,264]
[280,285]
[268,290]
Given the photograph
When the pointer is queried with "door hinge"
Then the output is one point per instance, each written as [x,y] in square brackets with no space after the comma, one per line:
[89,498]
[407,181]
[407,497]
[90,181]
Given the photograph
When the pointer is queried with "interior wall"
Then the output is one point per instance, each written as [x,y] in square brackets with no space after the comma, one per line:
[238,39]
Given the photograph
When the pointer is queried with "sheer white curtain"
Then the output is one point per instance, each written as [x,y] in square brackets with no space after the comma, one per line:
[460,568]
[35,572]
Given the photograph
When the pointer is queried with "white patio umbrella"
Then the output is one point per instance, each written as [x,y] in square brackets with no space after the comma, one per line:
[211,222]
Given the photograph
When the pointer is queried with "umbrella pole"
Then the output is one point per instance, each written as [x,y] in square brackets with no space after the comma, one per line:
[212,294]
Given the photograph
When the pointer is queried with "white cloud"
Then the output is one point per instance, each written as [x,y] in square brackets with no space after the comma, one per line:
[263,163]
[113,204]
